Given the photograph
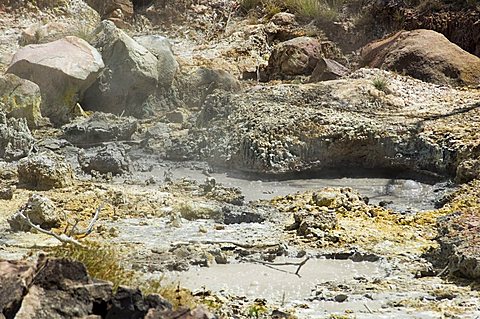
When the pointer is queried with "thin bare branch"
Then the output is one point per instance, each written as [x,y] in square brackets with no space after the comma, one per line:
[74,228]
[63,238]
[272,265]
[368,308]
[228,242]
[89,229]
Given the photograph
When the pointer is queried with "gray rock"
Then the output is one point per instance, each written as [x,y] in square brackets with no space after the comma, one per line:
[110,159]
[468,170]
[337,124]
[130,75]
[324,198]
[203,82]
[314,222]
[341,297]
[162,49]
[41,211]
[45,171]
[327,69]
[99,128]
[178,116]
[20,98]
[16,141]
[212,79]
[285,19]
[63,70]
[233,214]
[107,8]
[62,288]
[156,301]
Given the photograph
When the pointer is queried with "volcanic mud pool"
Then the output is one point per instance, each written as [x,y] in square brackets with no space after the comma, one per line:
[397,192]
[275,282]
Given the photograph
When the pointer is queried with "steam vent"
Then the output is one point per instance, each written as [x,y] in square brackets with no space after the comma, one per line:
[239,159]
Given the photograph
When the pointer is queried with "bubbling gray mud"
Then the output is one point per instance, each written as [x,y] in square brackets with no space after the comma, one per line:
[400,194]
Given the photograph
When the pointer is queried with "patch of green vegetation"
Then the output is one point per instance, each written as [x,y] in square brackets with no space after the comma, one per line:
[257,310]
[381,84]
[50,4]
[321,10]
[84,33]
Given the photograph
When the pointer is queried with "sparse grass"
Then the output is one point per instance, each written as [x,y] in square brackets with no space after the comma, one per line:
[381,84]
[84,33]
[101,261]
[104,262]
[322,10]
[50,4]
[175,294]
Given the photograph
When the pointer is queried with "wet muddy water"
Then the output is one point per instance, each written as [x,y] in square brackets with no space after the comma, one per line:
[401,194]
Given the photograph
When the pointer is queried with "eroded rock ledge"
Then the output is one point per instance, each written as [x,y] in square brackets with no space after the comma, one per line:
[408,124]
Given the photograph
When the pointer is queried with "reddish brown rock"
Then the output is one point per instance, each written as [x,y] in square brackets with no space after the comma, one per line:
[425,55]
[112,8]
[15,277]
[297,56]
[327,69]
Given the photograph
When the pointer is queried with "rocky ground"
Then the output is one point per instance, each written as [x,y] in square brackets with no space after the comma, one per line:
[184,144]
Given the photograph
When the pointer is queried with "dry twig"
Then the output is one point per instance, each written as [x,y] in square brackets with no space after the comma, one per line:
[213,242]
[62,237]
[271,265]
[72,236]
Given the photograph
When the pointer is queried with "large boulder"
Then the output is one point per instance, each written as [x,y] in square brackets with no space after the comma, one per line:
[20,98]
[297,56]
[130,74]
[45,171]
[162,49]
[99,128]
[110,159]
[423,54]
[16,140]
[63,70]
